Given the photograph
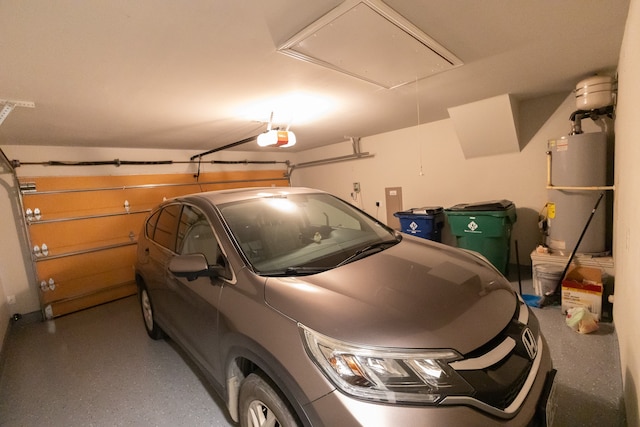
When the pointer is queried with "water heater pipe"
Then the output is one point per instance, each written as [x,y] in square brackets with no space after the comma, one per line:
[576,122]
[577,116]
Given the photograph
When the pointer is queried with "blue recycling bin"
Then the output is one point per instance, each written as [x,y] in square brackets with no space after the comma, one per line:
[426,222]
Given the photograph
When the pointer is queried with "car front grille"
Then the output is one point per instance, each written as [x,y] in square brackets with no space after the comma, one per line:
[498,385]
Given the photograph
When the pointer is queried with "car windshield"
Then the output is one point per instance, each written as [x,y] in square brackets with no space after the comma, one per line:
[300,234]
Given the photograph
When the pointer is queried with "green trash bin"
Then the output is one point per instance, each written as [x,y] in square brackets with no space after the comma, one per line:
[484,227]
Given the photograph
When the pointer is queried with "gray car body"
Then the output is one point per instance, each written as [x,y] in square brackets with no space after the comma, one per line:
[417,294]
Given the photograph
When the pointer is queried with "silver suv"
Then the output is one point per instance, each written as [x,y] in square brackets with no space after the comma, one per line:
[301,309]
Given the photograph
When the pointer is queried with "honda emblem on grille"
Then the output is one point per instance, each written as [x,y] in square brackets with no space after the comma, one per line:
[529,342]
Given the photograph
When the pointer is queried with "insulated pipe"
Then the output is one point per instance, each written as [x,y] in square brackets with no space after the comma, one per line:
[548,169]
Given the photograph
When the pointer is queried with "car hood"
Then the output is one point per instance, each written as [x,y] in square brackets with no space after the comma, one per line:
[417,294]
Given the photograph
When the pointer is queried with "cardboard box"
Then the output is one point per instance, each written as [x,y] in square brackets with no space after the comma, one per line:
[582,287]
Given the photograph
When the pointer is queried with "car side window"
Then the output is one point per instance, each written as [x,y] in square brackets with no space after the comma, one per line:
[167,226]
[150,226]
[195,236]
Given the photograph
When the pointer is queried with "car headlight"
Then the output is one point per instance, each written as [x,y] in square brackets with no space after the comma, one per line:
[387,375]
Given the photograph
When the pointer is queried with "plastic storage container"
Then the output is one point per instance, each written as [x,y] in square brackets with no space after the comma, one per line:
[426,222]
[484,227]
[546,278]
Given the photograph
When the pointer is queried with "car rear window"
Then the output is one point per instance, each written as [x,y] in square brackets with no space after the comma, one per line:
[166,227]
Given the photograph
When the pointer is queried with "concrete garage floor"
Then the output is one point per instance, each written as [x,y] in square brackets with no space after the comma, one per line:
[98,367]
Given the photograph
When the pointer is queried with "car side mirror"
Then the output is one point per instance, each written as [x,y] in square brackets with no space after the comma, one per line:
[191,267]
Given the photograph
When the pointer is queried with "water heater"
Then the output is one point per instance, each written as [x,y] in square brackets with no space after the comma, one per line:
[577,161]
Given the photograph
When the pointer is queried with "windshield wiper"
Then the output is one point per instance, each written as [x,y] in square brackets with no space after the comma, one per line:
[295,271]
[368,250]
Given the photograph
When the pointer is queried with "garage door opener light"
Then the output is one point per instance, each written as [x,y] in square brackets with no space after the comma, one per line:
[276,137]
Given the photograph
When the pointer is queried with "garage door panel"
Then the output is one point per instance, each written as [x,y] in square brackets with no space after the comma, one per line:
[71,236]
[90,225]
[69,205]
[60,308]
[100,182]
[86,264]
[74,287]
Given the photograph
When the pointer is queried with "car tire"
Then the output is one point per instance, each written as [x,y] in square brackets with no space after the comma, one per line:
[261,405]
[153,330]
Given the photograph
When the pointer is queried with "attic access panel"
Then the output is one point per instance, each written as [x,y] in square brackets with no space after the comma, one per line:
[368,40]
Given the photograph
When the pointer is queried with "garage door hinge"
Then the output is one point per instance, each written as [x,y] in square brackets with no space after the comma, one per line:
[27,187]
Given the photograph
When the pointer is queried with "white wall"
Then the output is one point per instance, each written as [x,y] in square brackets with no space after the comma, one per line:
[427,161]
[626,229]
[13,268]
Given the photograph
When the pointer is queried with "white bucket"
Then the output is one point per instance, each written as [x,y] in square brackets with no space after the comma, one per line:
[548,277]
[595,92]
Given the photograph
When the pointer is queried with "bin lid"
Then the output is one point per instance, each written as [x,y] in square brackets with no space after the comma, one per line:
[491,205]
[426,210]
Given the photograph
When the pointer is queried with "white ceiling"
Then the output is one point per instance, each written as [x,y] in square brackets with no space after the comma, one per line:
[177,74]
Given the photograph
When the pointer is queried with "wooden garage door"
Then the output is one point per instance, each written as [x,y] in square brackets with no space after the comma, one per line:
[84,230]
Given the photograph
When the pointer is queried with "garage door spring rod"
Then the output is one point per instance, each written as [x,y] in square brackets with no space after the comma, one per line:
[118,162]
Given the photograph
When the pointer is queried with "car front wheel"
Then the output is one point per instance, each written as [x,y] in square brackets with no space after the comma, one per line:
[262,406]
[153,330]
